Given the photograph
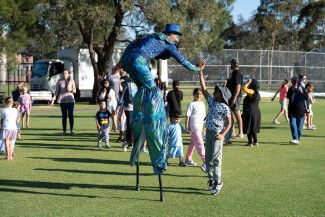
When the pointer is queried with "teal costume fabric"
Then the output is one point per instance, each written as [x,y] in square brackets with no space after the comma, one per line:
[149,118]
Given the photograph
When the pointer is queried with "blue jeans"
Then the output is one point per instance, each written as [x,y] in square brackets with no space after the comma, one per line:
[296,125]
[67,109]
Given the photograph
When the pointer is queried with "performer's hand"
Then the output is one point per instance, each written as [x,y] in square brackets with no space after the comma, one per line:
[202,64]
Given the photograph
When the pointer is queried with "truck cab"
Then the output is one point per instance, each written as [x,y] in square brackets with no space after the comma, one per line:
[45,74]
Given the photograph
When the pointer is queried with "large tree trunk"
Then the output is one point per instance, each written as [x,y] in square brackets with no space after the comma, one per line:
[98,76]
[103,53]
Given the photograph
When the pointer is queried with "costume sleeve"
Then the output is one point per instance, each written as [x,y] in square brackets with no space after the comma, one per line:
[181,59]
[249,92]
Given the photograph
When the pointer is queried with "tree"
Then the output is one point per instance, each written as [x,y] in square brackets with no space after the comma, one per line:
[17,18]
[101,23]
[312,17]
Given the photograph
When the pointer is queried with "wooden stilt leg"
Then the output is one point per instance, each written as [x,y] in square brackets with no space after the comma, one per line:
[137,187]
[161,189]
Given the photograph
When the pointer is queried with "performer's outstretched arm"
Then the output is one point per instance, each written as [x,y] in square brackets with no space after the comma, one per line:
[181,60]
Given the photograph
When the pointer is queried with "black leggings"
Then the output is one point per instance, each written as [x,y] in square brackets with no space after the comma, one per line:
[128,136]
[67,110]
[252,137]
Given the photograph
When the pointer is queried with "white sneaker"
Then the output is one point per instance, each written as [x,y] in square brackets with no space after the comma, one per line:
[190,162]
[125,147]
[294,142]
[311,128]
[144,150]
[276,122]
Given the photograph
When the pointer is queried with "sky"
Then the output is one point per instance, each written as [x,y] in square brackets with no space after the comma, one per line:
[244,8]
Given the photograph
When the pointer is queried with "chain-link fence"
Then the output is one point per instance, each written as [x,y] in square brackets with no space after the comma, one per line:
[270,68]
[9,79]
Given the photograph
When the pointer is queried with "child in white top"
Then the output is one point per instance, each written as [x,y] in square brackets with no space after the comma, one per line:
[311,100]
[17,106]
[195,115]
[9,119]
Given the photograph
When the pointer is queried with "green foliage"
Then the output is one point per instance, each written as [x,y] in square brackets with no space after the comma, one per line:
[281,25]
[21,28]
[312,18]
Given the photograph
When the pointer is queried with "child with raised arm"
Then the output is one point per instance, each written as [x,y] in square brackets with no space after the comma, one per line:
[102,123]
[195,116]
[9,119]
[218,123]
[25,106]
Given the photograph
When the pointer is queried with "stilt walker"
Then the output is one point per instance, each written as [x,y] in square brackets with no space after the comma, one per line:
[148,117]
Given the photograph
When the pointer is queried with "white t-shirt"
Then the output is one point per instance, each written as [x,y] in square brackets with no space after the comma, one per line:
[111,96]
[115,82]
[9,117]
[196,113]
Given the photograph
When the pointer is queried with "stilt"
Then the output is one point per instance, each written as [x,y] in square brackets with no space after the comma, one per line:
[161,189]
[137,187]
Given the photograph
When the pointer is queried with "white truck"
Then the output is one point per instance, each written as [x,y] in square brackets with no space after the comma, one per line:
[46,73]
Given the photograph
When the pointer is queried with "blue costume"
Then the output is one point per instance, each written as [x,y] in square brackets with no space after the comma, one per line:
[148,118]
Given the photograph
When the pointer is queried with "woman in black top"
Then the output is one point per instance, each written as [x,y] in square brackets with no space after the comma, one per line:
[174,98]
[251,112]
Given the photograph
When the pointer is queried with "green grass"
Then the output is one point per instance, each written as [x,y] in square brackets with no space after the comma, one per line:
[53,175]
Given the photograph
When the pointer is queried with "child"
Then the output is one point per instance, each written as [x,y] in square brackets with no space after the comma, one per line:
[311,100]
[195,115]
[121,124]
[283,101]
[251,113]
[9,118]
[17,106]
[297,96]
[26,105]
[175,141]
[218,124]
[102,123]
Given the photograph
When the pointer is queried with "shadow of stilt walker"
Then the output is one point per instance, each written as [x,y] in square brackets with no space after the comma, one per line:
[137,187]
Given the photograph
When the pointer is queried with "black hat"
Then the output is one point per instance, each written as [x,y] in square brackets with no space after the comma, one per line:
[234,61]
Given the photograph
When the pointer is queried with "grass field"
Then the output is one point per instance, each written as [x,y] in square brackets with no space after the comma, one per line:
[53,175]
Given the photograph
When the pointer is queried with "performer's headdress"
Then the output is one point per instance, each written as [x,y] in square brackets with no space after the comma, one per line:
[172,28]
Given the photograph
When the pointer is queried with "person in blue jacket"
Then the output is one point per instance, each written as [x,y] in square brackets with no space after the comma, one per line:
[148,118]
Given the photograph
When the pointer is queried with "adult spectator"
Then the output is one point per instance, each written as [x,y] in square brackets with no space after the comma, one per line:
[174,98]
[234,84]
[126,103]
[297,96]
[64,90]
[302,78]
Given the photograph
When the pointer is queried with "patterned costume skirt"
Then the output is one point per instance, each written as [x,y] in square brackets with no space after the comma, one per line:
[148,117]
